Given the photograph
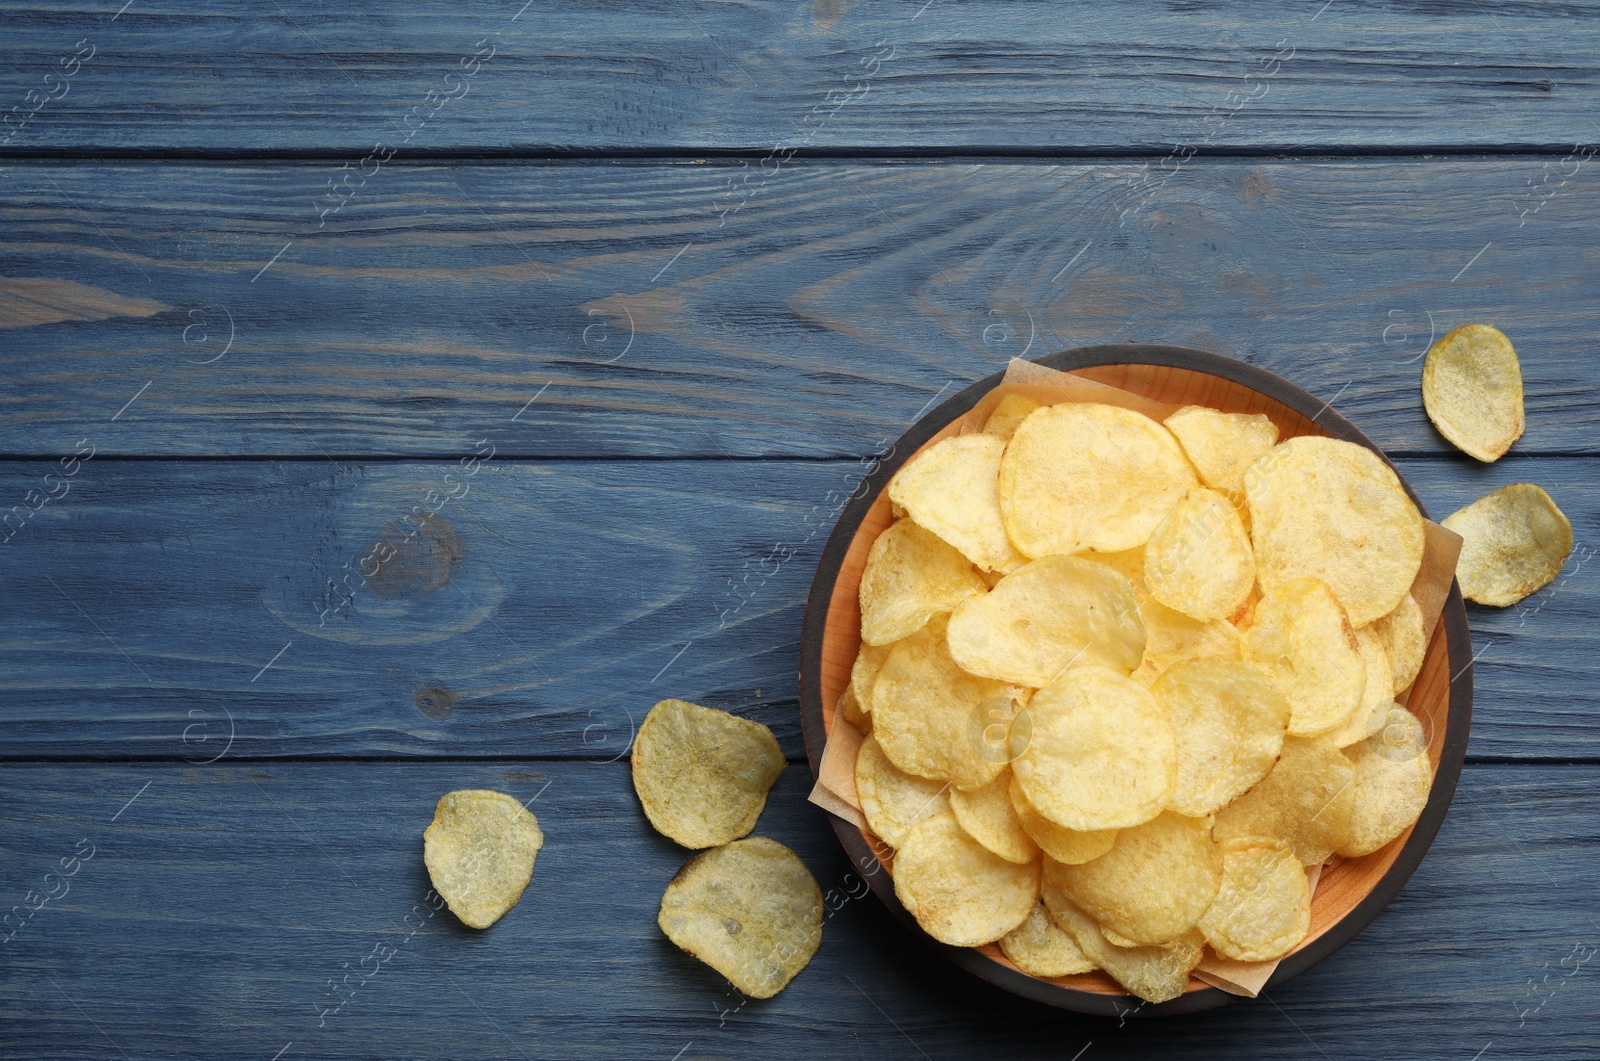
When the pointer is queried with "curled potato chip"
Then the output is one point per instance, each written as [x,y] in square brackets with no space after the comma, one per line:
[1404,638]
[933,719]
[1040,947]
[1155,974]
[1045,616]
[1302,638]
[1068,846]
[1306,800]
[1199,560]
[892,799]
[960,892]
[1328,509]
[1154,883]
[1229,718]
[1263,909]
[1012,410]
[750,910]
[911,575]
[864,671]
[953,489]
[1393,778]
[479,850]
[1170,636]
[1222,446]
[1513,542]
[988,817]
[702,775]
[852,711]
[1376,695]
[1089,476]
[1102,754]
[1472,389]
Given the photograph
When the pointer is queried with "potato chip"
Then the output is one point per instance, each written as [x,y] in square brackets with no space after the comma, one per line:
[1472,389]
[1404,638]
[1302,639]
[1229,718]
[1040,947]
[953,489]
[1199,559]
[1392,781]
[1154,883]
[1513,542]
[1170,636]
[1333,510]
[864,671]
[1222,446]
[960,892]
[911,576]
[1068,846]
[702,775]
[1088,476]
[1045,616]
[1012,410]
[932,718]
[1263,909]
[479,850]
[1376,696]
[988,817]
[892,799]
[1306,800]
[852,711]
[1155,974]
[750,910]
[1102,754]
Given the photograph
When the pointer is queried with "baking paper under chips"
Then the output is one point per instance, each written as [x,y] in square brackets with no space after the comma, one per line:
[1012,410]
[1155,974]
[479,850]
[702,775]
[1301,637]
[1404,638]
[1332,510]
[1154,883]
[1392,780]
[892,799]
[1222,446]
[952,488]
[960,892]
[1229,718]
[750,910]
[988,817]
[1513,542]
[1068,846]
[1043,948]
[911,575]
[1054,612]
[1263,909]
[1472,389]
[1199,560]
[1088,476]
[1307,800]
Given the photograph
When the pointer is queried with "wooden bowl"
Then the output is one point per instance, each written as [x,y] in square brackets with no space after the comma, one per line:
[1351,892]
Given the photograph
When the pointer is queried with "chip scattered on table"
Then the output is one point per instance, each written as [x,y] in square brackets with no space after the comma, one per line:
[702,775]
[1472,389]
[479,850]
[1513,543]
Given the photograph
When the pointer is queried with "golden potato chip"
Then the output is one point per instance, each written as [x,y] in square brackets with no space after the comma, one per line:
[911,576]
[932,718]
[1306,800]
[1170,636]
[1392,781]
[1046,615]
[1069,846]
[1102,754]
[479,850]
[1513,542]
[1263,909]
[953,489]
[892,799]
[1154,883]
[1472,389]
[750,910]
[852,711]
[1229,718]
[864,671]
[1302,638]
[1040,947]
[702,775]
[1088,476]
[988,817]
[1333,510]
[960,892]
[1222,446]
[1155,974]
[1012,410]
[1199,559]
[1376,695]
[1403,635]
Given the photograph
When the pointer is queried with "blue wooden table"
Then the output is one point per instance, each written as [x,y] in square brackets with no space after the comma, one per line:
[615,304]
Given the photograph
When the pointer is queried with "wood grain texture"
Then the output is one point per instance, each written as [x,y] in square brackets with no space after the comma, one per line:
[207,75]
[601,310]
[148,599]
[219,903]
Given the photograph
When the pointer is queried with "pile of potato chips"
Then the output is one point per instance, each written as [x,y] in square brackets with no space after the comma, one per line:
[1123,680]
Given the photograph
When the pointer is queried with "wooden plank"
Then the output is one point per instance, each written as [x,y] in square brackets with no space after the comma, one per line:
[159,607]
[601,310]
[564,75]
[218,904]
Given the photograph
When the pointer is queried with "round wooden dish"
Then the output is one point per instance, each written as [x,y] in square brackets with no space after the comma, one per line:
[1351,891]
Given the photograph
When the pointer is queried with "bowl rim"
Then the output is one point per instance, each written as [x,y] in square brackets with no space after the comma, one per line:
[1458,645]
